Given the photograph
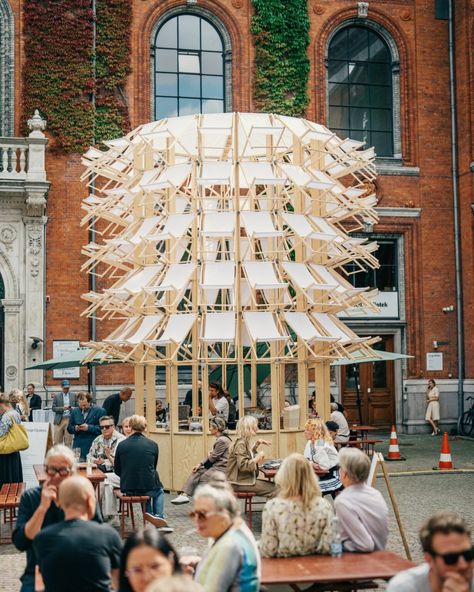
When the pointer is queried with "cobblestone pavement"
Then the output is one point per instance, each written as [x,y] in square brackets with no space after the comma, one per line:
[417,495]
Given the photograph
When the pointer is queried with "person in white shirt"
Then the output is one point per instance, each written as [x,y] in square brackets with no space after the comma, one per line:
[343,431]
[449,558]
[361,509]
[218,404]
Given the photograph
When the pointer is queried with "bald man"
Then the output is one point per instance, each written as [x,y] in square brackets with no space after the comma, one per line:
[78,554]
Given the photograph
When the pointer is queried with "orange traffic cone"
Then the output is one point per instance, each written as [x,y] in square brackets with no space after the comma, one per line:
[393,450]
[445,461]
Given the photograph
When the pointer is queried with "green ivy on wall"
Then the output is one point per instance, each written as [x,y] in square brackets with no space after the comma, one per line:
[58,75]
[281,37]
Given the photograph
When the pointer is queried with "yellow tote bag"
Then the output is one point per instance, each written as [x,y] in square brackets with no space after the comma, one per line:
[14,440]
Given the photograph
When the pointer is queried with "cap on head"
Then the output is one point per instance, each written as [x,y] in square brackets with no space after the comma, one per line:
[65,383]
[332,426]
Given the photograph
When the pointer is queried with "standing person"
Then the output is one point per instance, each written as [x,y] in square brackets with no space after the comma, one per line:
[244,460]
[20,403]
[343,431]
[10,464]
[322,454]
[188,399]
[449,558]
[232,562]
[216,461]
[232,417]
[84,423]
[62,406]
[76,554]
[113,403]
[298,521]
[432,408]
[39,509]
[361,509]
[102,453]
[34,400]
[136,459]
[218,404]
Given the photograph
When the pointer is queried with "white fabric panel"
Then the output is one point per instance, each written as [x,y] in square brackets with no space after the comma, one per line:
[330,277]
[218,326]
[147,326]
[221,224]
[300,225]
[303,327]
[261,326]
[172,176]
[321,180]
[218,275]
[122,331]
[177,328]
[331,326]
[301,276]
[175,227]
[261,275]
[259,224]
[258,173]
[177,277]
[142,231]
[135,282]
[215,173]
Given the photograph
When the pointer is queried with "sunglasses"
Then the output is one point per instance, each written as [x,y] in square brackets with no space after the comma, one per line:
[105,426]
[52,471]
[453,558]
[201,515]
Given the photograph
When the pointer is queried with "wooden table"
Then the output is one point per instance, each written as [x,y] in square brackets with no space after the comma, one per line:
[270,473]
[363,429]
[9,501]
[96,478]
[324,569]
[368,446]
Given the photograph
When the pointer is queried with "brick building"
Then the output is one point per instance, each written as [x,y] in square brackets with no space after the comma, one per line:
[379,72]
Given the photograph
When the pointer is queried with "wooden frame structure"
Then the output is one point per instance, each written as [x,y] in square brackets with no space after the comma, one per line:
[224,237]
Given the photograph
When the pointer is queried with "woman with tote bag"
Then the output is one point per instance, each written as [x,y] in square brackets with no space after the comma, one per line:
[13,438]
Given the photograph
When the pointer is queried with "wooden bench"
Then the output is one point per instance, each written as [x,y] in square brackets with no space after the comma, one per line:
[368,446]
[126,508]
[9,501]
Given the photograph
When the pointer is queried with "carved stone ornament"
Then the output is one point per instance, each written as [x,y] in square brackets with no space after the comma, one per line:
[11,371]
[7,236]
[237,3]
[34,247]
[35,203]
[318,9]
[36,123]
[405,15]
[362,9]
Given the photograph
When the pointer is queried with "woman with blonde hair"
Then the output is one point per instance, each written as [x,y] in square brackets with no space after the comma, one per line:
[20,403]
[322,454]
[244,460]
[298,521]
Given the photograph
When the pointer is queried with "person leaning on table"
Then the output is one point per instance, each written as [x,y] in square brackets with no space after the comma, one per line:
[361,509]
[244,460]
[298,521]
[449,558]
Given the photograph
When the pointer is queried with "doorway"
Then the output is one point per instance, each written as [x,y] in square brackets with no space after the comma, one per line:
[376,389]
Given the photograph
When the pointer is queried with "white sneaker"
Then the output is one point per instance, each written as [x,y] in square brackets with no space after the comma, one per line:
[181,499]
[165,529]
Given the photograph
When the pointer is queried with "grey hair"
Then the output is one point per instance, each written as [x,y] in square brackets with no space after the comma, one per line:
[222,495]
[355,463]
[334,406]
[61,450]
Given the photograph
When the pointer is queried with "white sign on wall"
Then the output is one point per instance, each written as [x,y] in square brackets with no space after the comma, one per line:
[62,348]
[434,361]
[386,302]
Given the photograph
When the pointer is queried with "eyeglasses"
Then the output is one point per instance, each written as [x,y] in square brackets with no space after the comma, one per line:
[63,471]
[453,558]
[201,515]
[139,570]
[105,426]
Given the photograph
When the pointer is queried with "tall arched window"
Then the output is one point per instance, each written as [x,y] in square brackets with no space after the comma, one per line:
[360,88]
[189,69]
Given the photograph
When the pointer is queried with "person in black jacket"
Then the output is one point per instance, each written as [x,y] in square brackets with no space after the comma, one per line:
[113,402]
[136,459]
[34,400]
[38,509]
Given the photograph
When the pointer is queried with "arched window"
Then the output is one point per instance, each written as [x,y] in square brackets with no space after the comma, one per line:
[360,88]
[189,67]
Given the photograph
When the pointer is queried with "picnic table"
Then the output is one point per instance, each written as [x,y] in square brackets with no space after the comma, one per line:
[324,570]
[270,473]
[362,429]
[96,477]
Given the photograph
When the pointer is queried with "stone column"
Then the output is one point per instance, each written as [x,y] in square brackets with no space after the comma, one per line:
[13,341]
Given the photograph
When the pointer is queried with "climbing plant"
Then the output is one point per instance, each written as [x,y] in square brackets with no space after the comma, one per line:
[280,30]
[59,77]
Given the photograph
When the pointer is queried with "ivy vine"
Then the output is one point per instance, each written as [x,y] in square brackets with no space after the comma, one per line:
[281,36]
[58,76]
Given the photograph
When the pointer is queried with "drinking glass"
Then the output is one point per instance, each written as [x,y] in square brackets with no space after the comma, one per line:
[77,454]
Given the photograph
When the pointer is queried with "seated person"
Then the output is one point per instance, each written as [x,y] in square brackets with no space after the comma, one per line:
[218,404]
[243,463]
[216,461]
[449,554]
[160,412]
[188,399]
[320,451]
[340,407]
[332,429]
[361,509]
[298,521]
[232,420]
[343,431]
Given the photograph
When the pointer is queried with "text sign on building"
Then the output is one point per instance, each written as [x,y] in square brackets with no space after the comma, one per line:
[434,362]
[62,348]
[386,302]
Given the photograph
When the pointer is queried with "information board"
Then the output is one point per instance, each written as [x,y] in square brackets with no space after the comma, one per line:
[41,440]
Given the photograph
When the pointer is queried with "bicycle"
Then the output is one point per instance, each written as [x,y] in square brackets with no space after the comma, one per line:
[466,421]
